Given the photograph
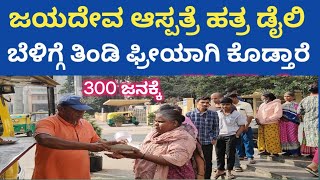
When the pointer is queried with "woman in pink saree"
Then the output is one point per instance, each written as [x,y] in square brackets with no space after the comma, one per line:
[289,125]
[166,151]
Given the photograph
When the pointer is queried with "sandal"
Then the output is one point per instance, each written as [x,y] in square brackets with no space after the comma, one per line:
[238,169]
[252,161]
[216,176]
[286,154]
[231,176]
[264,153]
[274,155]
[315,173]
[309,156]
[294,155]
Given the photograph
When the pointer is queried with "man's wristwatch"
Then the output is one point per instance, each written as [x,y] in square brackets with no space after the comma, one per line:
[237,136]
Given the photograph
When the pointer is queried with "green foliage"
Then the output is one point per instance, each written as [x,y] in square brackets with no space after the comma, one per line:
[118,118]
[175,88]
[96,103]
[95,126]
[151,117]
[196,86]
[87,116]
[68,86]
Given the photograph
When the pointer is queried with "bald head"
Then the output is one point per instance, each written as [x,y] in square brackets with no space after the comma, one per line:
[215,97]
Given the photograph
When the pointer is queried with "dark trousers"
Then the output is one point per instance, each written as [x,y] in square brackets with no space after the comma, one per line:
[226,145]
[207,153]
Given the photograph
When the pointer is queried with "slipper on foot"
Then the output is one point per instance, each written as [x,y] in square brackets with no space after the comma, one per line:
[216,176]
[316,173]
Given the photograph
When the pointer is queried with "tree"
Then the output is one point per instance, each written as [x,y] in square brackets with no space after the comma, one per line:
[196,86]
[68,86]
[175,88]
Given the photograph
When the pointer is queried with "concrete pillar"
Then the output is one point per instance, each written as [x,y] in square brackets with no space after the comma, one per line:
[18,100]
[188,105]
[103,115]
[147,105]
[51,101]
[254,106]
[78,85]
[25,100]
[298,95]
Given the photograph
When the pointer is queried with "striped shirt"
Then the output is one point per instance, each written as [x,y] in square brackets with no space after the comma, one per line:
[207,124]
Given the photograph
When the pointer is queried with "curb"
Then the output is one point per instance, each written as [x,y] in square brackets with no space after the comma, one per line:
[302,163]
[265,173]
[274,175]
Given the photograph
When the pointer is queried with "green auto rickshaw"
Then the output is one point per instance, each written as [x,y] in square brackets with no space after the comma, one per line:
[26,123]
[126,117]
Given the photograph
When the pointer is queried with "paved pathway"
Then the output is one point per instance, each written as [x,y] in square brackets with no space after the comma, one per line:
[122,168]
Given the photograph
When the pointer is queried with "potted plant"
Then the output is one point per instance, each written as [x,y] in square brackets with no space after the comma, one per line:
[151,118]
[118,119]
[95,159]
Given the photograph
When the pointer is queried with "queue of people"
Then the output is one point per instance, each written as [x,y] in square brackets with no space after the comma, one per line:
[181,147]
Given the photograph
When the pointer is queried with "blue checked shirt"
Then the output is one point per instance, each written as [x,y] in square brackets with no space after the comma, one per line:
[207,124]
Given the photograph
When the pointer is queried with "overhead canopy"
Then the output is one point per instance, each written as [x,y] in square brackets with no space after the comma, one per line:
[125,102]
[28,80]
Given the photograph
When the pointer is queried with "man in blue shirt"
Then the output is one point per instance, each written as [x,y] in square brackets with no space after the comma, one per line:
[207,123]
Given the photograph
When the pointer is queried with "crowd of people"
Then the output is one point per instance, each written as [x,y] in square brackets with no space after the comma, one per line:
[181,147]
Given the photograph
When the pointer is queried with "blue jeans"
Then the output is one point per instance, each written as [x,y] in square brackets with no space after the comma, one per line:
[236,161]
[247,141]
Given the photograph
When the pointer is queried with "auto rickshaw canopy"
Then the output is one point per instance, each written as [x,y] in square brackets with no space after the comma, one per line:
[20,118]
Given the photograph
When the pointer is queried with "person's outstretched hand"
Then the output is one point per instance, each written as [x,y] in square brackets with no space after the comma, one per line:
[103,145]
[114,155]
[99,146]
[133,154]
[109,143]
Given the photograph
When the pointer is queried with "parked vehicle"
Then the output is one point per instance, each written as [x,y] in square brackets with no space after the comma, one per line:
[25,123]
[129,118]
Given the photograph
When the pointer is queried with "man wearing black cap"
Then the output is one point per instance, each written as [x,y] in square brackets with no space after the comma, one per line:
[63,142]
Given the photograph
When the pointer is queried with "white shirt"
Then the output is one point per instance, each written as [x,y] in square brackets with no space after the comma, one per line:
[229,124]
[245,109]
